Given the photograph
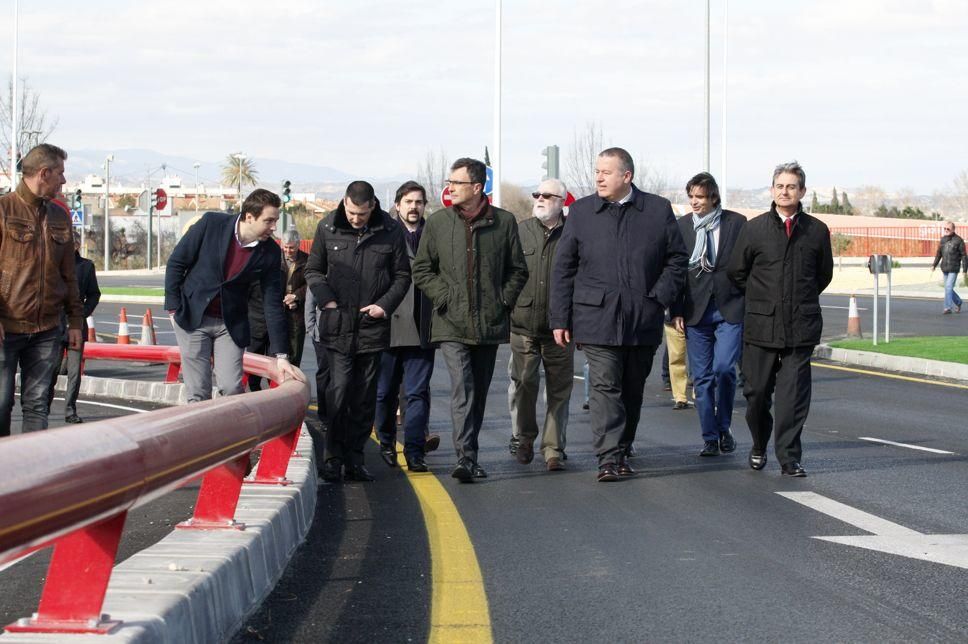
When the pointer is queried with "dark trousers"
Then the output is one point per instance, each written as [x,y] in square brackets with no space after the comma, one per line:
[412,367]
[71,363]
[618,381]
[322,385]
[297,338]
[713,347]
[38,355]
[787,372]
[471,367]
[350,404]
[258,343]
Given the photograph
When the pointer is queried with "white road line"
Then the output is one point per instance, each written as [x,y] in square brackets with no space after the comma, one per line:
[10,564]
[917,447]
[853,516]
[846,308]
[578,377]
[101,404]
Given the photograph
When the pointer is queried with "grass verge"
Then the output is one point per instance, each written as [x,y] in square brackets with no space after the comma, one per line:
[132,290]
[946,348]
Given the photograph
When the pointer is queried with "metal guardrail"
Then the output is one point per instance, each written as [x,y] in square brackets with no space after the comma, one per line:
[72,487]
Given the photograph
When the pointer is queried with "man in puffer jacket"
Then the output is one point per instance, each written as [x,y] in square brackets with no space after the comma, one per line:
[359,273]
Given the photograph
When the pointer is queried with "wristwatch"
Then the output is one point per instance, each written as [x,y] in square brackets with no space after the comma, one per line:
[284,356]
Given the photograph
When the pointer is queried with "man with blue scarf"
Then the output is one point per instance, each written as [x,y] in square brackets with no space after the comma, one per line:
[710,311]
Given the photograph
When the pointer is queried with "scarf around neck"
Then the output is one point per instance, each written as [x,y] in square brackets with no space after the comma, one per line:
[702,226]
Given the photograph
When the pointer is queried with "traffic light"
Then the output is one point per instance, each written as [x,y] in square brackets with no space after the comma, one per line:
[550,164]
[76,200]
[286,192]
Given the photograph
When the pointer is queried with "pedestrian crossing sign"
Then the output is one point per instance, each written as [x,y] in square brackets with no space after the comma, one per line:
[77,217]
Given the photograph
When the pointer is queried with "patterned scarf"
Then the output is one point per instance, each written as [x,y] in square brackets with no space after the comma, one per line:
[702,226]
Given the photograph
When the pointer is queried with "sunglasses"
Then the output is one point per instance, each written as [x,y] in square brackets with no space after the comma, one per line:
[544,195]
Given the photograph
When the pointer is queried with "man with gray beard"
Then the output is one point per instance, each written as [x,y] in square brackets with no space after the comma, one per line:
[532,344]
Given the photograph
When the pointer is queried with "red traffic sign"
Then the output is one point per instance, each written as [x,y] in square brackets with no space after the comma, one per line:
[162,199]
[448,202]
[569,199]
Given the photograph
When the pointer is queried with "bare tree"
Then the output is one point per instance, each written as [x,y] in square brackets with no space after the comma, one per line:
[516,201]
[431,175]
[868,198]
[656,180]
[580,166]
[34,126]
[957,201]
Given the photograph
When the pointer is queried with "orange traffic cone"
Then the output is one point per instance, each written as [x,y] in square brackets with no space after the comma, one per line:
[123,336]
[853,320]
[91,332]
[147,329]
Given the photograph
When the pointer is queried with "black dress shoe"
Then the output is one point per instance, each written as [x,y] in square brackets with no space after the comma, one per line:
[417,464]
[478,471]
[607,473]
[432,443]
[727,443]
[630,450]
[525,452]
[793,469]
[330,471]
[513,445]
[73,419]
[624,469]
[389,456]
[710,448]
[358,473]
[757,461]
[463,472]
[584,406]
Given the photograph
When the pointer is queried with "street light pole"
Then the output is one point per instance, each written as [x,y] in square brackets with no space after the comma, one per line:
[705,153]
[107,206]
[496,169]
[196,166]
[241,158]
[14,116]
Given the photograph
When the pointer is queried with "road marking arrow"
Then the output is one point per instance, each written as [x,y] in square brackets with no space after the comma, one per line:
[947,549]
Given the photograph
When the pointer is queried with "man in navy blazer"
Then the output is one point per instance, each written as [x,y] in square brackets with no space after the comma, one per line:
[619,264]
[206,292]
[710,311]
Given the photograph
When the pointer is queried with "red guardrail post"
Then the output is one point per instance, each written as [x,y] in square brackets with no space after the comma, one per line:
[218,498]
[274,460]
[77,580]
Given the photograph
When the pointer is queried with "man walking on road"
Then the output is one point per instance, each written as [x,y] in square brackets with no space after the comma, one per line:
[951,255]
[359,273]
[37,285]
[294,293]
[782,261]
[471,267]
[532,344]
[620,264]
[90,295]
[710,311]
[410,359]
[207,283]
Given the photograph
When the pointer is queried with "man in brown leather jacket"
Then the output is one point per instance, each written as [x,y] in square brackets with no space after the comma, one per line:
[37,283]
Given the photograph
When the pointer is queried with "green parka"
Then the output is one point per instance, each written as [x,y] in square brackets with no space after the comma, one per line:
[530,314]
[473,306]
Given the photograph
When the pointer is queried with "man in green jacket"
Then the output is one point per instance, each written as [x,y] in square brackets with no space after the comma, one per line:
[532,343]
[470,265]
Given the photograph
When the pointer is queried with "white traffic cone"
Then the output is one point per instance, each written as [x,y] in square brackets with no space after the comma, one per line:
[147,329]
[853,320]
[123,335]
[91,332]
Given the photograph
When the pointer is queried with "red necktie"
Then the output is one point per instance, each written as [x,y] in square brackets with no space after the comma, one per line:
[789,226]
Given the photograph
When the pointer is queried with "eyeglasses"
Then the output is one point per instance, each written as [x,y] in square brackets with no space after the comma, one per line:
[452,182]
[545,195]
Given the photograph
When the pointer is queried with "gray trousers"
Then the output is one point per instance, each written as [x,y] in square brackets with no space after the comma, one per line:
[471,368]
[527,355]
[197,348]
[71,364]
[618,380]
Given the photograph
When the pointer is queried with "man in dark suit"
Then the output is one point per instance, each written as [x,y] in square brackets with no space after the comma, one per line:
[207,282]
[620,263]
[783,262]
[294,292]
[710,311]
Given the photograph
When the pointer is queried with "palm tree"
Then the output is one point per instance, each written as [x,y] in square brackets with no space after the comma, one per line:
[239,170]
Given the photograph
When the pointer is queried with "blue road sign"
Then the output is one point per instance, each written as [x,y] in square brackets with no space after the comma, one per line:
[77,217]
[489,184]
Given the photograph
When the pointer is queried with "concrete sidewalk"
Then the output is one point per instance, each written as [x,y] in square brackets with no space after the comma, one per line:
[913,279]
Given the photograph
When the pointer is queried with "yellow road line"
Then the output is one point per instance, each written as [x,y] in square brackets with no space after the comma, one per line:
[891,375]
[458,610]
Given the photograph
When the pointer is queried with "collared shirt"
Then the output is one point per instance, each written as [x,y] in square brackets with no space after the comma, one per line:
[251,244]
[624,200]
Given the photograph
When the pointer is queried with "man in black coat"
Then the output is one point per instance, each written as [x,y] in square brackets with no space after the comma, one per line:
[782,261]
[90,295]
[359,273]
[620,263]
[207,283]
[710,311]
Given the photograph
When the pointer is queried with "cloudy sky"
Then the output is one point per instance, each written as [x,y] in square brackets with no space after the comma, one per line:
[859,91]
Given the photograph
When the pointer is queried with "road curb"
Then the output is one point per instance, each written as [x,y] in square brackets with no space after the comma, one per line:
[903,364]
[134,299]
[200,586]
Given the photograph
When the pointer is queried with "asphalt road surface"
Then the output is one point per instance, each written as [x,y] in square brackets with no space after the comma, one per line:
[909,317]
[689,550]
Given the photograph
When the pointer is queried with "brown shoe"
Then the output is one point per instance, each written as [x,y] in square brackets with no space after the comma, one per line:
[607,473]
[624,469]
[525,453]
[554,464]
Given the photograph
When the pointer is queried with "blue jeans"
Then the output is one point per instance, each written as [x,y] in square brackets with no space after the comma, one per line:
[413,367]
[951,298]
[713,348]
[38,354]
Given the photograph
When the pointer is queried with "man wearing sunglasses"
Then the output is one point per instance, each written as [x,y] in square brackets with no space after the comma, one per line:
[951,255]
[469,263]
[532,344]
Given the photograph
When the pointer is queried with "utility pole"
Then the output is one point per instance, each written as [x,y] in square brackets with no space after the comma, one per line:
[14,115]
[107,206]
[705,153]
[196,166]
[496,188]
